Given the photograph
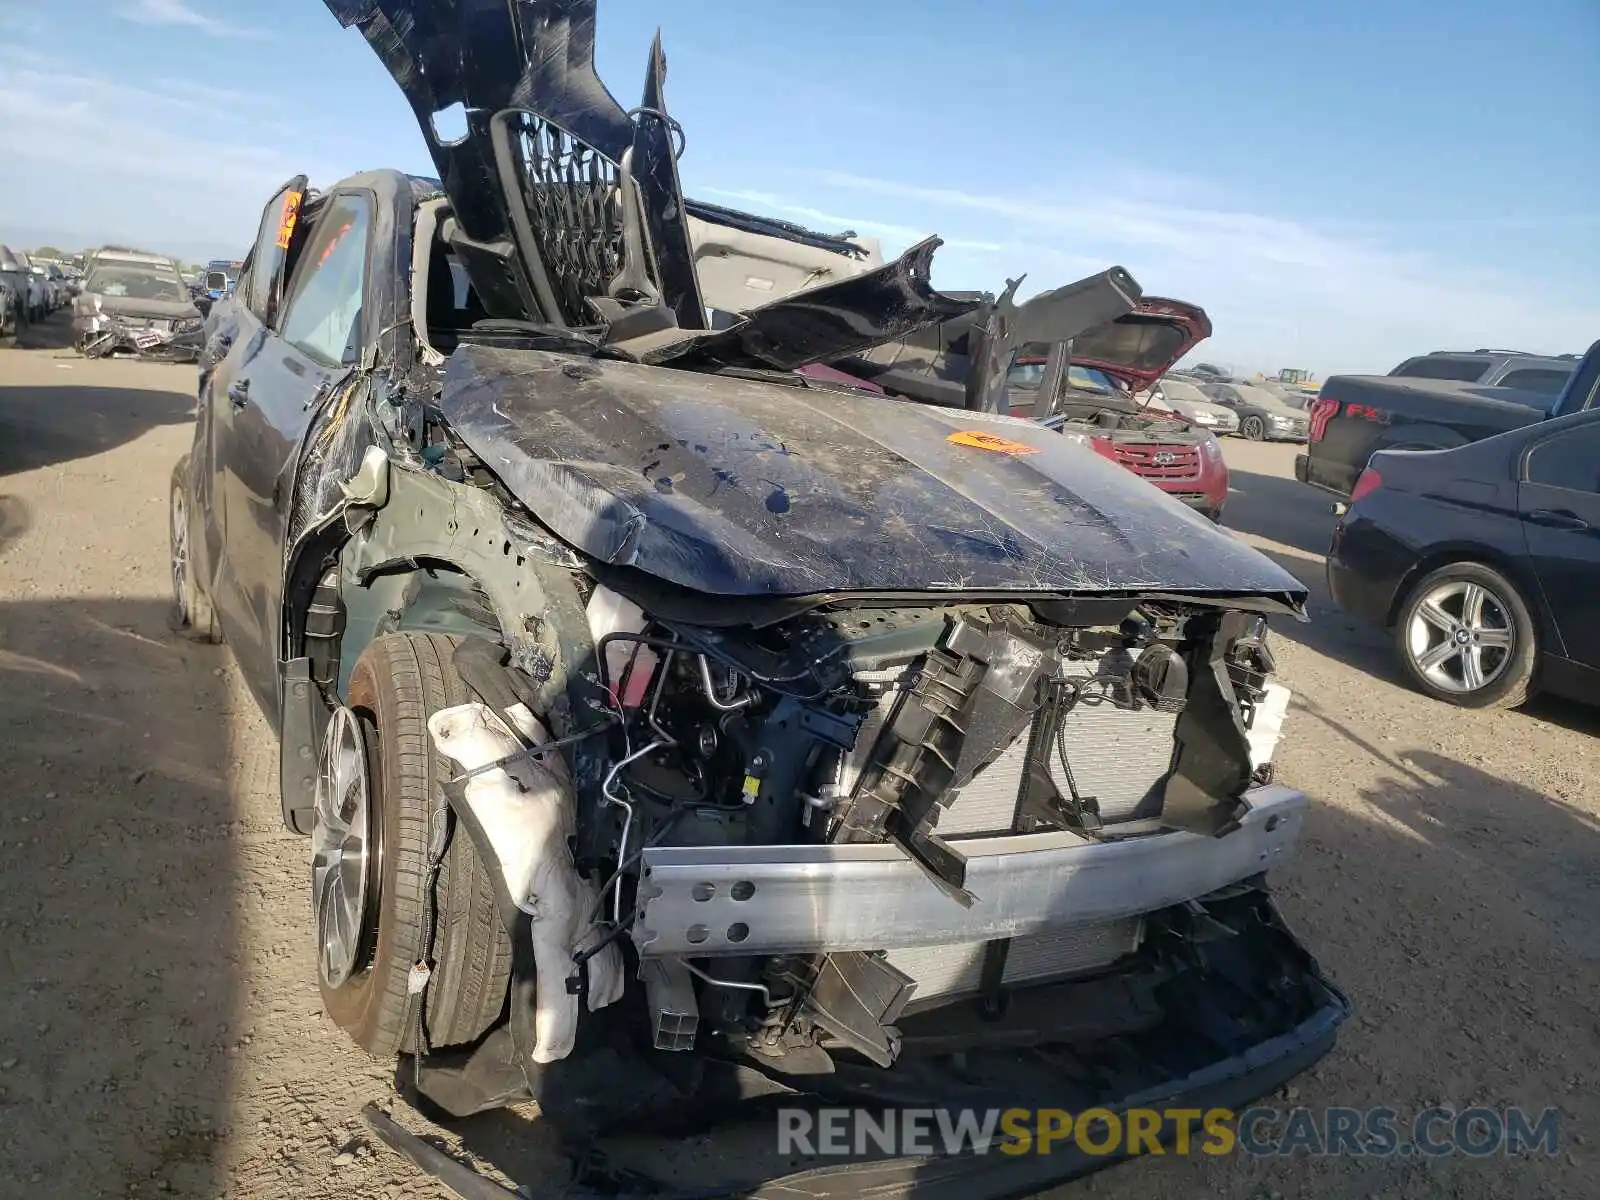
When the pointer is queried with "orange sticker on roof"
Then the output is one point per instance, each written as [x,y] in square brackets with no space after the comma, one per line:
[980,440]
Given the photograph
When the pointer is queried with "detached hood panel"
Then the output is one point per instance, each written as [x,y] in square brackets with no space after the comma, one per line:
[742,488]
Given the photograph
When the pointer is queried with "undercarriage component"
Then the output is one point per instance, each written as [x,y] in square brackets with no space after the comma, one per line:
[674,1012]
[800,899]
[857,998]
[1217,1025]
[947,973]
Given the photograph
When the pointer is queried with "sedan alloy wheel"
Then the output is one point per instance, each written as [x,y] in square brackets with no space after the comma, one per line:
[1461,636]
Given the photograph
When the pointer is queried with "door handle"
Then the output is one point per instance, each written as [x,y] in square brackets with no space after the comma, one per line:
[1558,518]
[239,392]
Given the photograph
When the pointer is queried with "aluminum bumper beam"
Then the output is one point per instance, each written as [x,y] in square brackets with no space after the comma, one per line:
[729,900]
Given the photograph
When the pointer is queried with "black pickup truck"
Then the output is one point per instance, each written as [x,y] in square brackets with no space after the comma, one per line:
[1431,402]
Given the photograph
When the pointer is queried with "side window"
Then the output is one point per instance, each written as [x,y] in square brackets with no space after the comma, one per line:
[1026,375]
[322,316]
[1458,370]
[1537,379]
[271,249]
[1568,460]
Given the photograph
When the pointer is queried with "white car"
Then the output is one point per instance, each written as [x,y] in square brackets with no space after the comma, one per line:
[38,295]
[50,292]
[1190,403]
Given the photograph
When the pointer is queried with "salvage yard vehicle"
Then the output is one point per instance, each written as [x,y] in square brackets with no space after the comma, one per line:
[673,728]
[1263,415]
[1082,383]
[10,314]
[138,308]
[15,277]
[1482,560]
[1431,402]
[1189,402]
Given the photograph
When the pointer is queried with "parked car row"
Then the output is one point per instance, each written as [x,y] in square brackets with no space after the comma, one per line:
[30,291]
[1468,515]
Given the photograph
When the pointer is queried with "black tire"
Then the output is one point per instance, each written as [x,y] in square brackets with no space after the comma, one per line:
[1512,682]
[1253,428]
[191,615]
[398,682]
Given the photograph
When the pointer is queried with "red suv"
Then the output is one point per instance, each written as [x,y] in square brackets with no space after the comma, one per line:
[1094,399]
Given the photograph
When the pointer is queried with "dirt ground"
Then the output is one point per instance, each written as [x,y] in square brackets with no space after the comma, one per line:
[160,1030]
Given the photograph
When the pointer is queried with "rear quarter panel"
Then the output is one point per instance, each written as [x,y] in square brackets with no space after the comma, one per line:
[1443,507]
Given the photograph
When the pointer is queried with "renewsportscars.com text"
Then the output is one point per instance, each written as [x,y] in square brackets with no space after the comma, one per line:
[1348,1132]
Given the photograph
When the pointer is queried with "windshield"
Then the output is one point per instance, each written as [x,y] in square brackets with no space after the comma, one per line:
[1256,395]
[1087,379]
[135,284]
[1176,389]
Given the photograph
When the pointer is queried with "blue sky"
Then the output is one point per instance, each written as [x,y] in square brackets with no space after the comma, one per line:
[1340,184]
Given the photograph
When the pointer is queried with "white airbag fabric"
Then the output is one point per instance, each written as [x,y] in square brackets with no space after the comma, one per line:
[528,811]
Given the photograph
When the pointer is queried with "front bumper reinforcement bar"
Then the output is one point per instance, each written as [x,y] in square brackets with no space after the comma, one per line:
[736,900]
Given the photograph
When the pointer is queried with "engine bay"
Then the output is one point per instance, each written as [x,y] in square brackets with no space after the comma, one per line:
[921,728]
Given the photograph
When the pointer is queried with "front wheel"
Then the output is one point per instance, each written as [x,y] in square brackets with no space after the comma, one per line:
[1253,428]
[191,615]
[1465,637]
[379,793]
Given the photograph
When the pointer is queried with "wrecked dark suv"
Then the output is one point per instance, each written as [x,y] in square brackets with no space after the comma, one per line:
[673,728]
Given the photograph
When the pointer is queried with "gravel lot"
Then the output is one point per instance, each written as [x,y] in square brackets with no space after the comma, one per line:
[160,1030]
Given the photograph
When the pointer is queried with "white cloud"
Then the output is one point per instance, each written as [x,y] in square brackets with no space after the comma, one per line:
[121,160]
[1276,288]
[176,12]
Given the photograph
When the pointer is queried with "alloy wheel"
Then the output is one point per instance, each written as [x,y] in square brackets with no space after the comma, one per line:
[341,846]
[1461,636]
[180,555]
[1253,429]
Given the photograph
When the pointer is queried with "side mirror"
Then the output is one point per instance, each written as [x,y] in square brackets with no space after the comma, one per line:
[203,303]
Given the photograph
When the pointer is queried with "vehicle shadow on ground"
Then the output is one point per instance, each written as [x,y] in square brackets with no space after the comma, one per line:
[1281,510]
[38,430]
[119,960]
[1297,518]
[53,333]
[1547,849]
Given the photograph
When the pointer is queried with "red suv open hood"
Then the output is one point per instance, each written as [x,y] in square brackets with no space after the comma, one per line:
[1139,347]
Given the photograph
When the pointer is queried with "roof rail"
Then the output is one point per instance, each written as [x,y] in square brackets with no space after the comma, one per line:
[1523,353]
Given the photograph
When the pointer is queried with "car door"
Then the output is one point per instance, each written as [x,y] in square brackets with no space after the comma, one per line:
[317,339]
[233,339]
[1559,500]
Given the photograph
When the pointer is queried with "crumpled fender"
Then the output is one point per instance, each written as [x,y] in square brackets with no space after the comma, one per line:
[528,811]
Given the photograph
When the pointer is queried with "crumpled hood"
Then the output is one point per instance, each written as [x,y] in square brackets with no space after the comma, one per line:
[740,487]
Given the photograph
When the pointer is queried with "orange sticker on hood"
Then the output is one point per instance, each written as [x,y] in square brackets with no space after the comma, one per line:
[980,440]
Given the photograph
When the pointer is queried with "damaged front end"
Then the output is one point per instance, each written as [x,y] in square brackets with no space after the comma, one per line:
[822,748]
[100,334]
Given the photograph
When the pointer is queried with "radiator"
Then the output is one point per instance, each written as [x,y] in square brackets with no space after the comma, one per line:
[1120,756]
[948,973]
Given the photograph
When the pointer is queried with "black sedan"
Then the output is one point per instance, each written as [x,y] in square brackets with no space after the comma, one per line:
[1483,560]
